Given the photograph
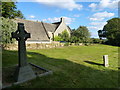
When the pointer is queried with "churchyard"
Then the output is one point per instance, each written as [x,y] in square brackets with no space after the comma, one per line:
[72,66]
[40,54]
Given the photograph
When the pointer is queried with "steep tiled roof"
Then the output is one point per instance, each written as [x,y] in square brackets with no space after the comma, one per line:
[56,24]
[39,30]
[35,28]
[49,27]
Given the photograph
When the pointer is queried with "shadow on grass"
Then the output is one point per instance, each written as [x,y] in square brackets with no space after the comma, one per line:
[90,62]
[66,74]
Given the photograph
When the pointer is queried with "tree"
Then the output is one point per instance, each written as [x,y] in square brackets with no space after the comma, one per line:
[96,40]
[58,38]
[9,10]
[82,34]
[65,36]
[74,39]
[101,34]
[112,31]
[8,26]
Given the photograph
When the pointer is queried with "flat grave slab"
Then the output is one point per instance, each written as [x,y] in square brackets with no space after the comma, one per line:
[8,75]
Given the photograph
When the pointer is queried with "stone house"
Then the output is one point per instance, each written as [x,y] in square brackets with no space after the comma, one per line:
[43,32]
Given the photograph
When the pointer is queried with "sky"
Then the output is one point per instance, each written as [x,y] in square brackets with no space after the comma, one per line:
[93,15]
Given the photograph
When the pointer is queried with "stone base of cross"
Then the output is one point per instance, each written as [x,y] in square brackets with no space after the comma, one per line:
[23,72]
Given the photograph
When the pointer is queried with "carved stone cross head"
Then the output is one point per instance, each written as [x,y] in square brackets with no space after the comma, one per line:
[20,34]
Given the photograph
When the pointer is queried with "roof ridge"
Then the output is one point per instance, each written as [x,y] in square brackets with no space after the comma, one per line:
[27,20]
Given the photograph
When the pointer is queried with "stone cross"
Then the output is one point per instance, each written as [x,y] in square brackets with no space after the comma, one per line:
[23,72]
[21,36]
[105,60]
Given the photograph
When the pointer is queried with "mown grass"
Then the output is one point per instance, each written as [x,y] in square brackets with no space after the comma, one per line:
[73,67]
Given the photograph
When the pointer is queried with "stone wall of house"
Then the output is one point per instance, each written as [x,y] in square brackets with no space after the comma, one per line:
[61,28]
[35,46]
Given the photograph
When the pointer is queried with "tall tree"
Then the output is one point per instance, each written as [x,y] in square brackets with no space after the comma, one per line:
[9,10]
[112,29]
[82,34]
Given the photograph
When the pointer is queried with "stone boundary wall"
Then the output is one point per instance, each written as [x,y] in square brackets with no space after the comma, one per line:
[35,46]
[41,45]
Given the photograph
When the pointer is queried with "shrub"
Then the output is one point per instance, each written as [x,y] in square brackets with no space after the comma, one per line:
[96,40]
[65,36]
[58,38]
[77,43]
[86,44]
[66,44]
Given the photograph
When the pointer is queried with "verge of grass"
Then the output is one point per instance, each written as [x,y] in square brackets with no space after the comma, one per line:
[73,67]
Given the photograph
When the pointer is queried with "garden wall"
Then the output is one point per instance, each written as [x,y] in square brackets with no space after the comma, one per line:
[40,45]
[35,45]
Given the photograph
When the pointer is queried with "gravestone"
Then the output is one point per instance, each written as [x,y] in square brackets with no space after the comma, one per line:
[105,60]
[23,71]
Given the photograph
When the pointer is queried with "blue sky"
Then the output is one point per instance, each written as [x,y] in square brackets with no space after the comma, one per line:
[91,14]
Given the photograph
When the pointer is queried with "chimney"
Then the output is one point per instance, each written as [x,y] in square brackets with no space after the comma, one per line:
[62,19]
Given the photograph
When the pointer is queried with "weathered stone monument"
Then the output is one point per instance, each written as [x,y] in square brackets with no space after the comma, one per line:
[23,72]
[105,60]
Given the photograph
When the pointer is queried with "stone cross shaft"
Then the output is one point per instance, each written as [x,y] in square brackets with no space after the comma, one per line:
[21,36]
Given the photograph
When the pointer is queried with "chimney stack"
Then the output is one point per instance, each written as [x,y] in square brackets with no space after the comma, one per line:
[62,19]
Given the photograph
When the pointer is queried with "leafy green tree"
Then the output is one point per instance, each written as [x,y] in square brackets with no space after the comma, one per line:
[82,34]
[65,36]
[9,10]
[74,39]
[112,29]
[58,38]
[96,40]
[8,26]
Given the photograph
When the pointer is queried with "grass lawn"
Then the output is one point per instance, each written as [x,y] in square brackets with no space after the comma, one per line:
[73,67]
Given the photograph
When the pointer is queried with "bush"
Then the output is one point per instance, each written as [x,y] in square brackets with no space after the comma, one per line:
[81,35]
[77,43]
[96,40]
[65,36]
[58,38]
[66,44]
[8,26]
[74,39]
[86,44]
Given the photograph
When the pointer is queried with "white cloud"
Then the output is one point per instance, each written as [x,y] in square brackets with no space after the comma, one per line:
[95,28]
[68,20]
[67,4]
[76,15]
[51,20]
[101,16]
[96,19]
[31,16]
[94,34]
[92,28]
[111,4]
[93,5]
[98,23]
